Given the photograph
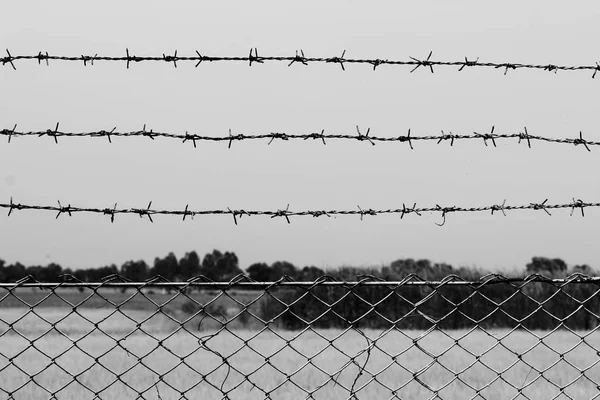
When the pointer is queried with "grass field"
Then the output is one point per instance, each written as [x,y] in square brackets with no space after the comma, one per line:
[43,352]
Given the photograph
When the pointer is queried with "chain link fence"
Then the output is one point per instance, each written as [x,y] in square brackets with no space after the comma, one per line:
[493,338]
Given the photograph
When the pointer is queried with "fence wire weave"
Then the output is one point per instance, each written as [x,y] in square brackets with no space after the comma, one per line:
[494,337]
[299,58]
[322,136]
[287,213]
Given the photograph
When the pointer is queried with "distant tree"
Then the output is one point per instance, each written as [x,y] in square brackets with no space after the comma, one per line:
[260,272]
[99,274]
[399,269]
[546,266]
[583,269]
[283,268]
[15,272]
[51,273]
[166,267]
[136,271]
[219,266]
[189,265]
[310,274]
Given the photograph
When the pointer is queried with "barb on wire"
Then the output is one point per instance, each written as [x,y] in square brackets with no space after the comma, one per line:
[270,137]
[287,213]
[424,63]
[251,58]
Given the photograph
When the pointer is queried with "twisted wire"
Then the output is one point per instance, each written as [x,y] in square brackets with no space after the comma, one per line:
[283,136]
[299,58]
[287,213]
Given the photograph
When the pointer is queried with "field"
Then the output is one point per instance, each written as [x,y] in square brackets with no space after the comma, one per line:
[94,352]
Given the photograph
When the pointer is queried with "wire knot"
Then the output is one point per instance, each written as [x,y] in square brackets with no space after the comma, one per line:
[424,63]
[582,141]
[41,57]
[50,132]
[499,208]
[172,58]
[235,213]
[487,136]
[468,63]
[234,137]
[9,133]
[316,135]
[190,137]
[12,206]
[111,212]
[276,135]
[85,59]
[319,213]
[578,204]
[406,210]
[186,212]
[444,211]
[9,60]
[362,212]
[339,60]
[282,213]
[362,137]
[62,209]
[506,67]
[132,58]
[143,212]
[144,132]
[254,58]
[525,136]
[540,206]
[406,138]
[447,137]
[376,63]
[301,59]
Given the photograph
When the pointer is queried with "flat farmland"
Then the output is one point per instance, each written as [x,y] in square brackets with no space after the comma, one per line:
[114,353]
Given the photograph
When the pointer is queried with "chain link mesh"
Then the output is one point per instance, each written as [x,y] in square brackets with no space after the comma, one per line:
[491,338]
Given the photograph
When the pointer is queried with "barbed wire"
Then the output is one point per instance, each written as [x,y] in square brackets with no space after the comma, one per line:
[322,136]
[287,213]
[299,58]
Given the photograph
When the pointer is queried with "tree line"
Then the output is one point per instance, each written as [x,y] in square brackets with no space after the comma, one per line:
[535,305]
[216,266]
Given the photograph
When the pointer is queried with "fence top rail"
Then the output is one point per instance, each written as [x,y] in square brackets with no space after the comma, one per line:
[242,281]
[299,58]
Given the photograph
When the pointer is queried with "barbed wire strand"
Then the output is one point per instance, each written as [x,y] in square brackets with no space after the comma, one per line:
[299,58]
[287,213]
[282,136]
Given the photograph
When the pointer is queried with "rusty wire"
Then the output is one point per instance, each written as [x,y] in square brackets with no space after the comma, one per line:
[286,213]
[525,136]
[352,385]
[298,58]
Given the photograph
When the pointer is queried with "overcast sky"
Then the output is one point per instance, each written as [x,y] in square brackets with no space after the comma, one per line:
[214,98]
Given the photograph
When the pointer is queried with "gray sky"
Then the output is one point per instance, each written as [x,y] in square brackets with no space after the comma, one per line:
[301,99]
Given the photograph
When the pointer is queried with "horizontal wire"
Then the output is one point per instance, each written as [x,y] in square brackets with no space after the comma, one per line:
[286,213]
[322,136]
[298,58]
[242,280]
